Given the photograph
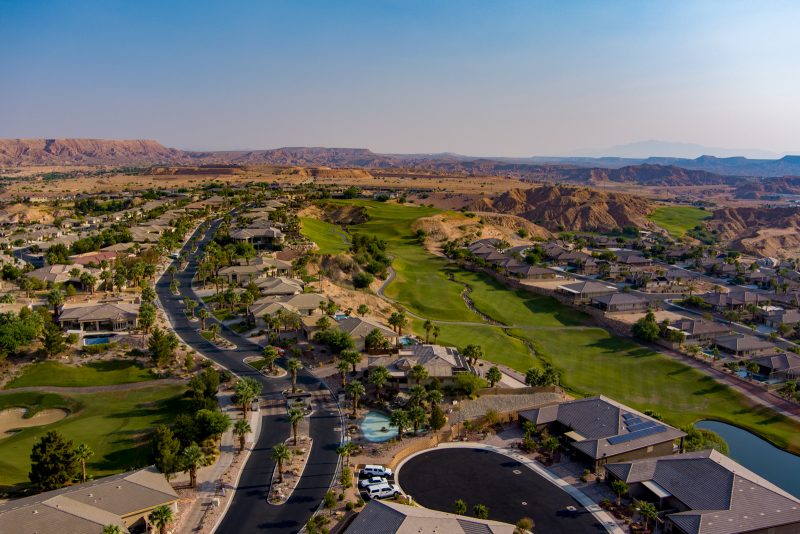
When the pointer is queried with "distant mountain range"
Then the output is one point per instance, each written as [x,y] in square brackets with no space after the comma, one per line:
[646,149]
[648,171]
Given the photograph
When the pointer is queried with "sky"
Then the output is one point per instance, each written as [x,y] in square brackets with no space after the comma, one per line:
[501,78]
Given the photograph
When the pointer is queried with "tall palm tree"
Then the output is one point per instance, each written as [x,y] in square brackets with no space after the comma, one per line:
[295,416]
[192,459]
[241,428]
[294,365]
[246,389]
[83,453]
[418,373]
[270,354]
[378,378]
[343,367]
[203,314]
[356,390]
[435,333]
[55,299]
[417,417]
[399,418]
[346,450]
[428,326]
[281,454]
[161,517]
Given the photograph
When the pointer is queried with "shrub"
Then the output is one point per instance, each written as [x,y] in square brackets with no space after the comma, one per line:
[362,280]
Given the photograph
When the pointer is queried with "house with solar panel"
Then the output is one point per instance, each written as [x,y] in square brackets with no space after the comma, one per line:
[599,430]
[707,492]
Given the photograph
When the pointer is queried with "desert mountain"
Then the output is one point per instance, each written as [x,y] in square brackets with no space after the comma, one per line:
[19,152]
[764,231]
[577,208]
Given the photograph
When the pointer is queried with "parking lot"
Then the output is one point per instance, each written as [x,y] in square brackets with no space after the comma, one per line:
[511,491]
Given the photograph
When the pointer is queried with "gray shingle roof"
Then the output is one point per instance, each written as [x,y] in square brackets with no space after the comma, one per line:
[382,517]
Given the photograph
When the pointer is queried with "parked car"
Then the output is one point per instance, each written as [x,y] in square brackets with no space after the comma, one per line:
[373,481]
[383,491]
[376,471]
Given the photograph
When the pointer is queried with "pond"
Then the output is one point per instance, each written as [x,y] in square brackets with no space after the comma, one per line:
[376,428]
[760,456]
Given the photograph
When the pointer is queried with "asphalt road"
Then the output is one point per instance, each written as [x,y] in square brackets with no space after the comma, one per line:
[511,491]
[249,510]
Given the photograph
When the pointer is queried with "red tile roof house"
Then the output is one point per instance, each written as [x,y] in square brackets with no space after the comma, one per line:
[708,493]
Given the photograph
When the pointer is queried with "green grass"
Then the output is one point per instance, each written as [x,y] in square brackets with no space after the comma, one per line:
[677,220]
[114,424]
[330,238]
[103,373]
[592,360]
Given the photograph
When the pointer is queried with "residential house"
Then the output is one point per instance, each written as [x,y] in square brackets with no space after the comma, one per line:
[743,345]
[583,292]
[280,286]
[61,274]
[303,304]
[774,316]
[359,328]
[99,317]
[95,257]
[783,366]
[125,500]
[699,330]
[601,430]
[707,492]
[442,363]
[735,300]
[632,258]
[259,237]
[531,272]
[620,303]
[386,517]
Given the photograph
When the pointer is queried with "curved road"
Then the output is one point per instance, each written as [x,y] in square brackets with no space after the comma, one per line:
[249,510]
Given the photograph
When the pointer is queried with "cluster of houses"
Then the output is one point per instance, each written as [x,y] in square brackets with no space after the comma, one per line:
[695,492]
[259,230]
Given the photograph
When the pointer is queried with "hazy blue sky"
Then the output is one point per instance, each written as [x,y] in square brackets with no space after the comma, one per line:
[481,78]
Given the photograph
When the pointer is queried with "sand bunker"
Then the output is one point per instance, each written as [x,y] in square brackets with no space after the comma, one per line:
[13,419]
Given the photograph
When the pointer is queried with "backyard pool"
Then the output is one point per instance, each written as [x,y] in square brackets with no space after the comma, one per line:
[340,316]
[376,428]
[407,341]
[96,340]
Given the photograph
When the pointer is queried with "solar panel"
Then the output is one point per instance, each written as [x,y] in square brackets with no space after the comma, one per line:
[641,426]
[623,438]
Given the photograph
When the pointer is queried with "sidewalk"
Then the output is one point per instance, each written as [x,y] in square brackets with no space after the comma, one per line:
[215,483]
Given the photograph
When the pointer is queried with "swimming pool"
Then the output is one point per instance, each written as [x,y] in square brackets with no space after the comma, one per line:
[96,340]
[376,428]
[407,341]
[340,316]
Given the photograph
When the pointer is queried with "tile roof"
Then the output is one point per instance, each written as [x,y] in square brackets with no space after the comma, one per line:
[383,517]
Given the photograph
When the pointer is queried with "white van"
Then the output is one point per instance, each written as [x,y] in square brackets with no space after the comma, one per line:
[383,491]
[376,471]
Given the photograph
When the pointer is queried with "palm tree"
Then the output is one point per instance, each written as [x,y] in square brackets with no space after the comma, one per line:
[435,333]
[620,488]
[342,366]
[240,429]
[400,419]
[112,529]
[161,517]
[172,270]
[493,375]
[353,357]
[472,353]
[107,277]
[294,365]
[88,281]
[378,378]
[83,453]
[428,326]
[246,389]
[295,416]
[193,458]
[280,454]
[203,314]
[55,299]
[648,512]
[356,390]
[417,395]
[189,305]
[362,310]
[270,354]
[417,417]
[418,373]
[346,450]
[214,329]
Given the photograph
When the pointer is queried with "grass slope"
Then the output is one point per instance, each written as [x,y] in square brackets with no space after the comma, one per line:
[115,425]
[677,220]
[103,373]
[592,360]
[329,238]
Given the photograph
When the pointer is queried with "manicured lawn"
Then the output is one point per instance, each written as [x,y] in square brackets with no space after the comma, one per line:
[114,424]
[330,238]
[677,220]
[497,346]
[103,373]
